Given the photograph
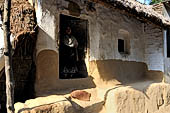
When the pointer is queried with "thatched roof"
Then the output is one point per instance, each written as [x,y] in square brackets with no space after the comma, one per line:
[140,11]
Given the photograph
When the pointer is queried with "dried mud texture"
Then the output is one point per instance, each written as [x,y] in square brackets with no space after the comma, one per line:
[23,23]
[22,17]
[153,98]
[50,104]
[23,27]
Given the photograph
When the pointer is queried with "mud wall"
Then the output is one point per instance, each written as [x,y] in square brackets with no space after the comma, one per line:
[154,40]
[23,30]
[106,26]
[46,58]
[113,72]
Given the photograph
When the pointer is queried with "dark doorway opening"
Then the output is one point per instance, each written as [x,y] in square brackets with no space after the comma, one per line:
[73,47]
[168,42]
[121,45]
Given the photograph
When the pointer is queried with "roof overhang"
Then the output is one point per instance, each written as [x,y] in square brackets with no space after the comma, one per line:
[140,11]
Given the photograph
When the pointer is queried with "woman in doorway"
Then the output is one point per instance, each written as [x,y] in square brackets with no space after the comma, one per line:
[68,55]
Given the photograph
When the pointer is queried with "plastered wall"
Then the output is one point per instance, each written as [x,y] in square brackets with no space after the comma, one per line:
[154,52]
[105,27]
[110,26]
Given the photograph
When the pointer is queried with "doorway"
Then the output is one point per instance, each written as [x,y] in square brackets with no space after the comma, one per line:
[72,47]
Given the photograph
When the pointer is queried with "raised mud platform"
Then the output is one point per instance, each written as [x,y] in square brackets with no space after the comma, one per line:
[140,97]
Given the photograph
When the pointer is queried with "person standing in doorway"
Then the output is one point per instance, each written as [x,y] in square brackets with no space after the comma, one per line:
[68,54]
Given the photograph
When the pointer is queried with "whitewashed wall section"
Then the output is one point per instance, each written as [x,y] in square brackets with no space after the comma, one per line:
[47,27]
[154,52]
[104,27]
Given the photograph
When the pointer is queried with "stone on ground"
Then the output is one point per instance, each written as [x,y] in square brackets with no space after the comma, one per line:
[81,95]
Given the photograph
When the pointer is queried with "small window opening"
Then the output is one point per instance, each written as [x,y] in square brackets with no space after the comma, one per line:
[124,42]
[121,45]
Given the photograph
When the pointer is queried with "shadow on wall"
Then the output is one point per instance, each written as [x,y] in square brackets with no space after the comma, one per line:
[47,76]
[46,61]
[123,71]
[47,69]
[47,73]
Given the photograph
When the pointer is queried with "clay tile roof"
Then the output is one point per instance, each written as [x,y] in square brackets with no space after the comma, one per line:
[158,8]
[142,12]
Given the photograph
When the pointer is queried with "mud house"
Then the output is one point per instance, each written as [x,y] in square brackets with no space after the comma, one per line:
[122,53]
[120,41]
[163,9]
